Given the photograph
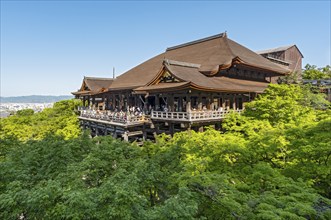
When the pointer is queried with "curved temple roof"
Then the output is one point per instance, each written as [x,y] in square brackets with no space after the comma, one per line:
[93,85]
[212,54]
[189,76]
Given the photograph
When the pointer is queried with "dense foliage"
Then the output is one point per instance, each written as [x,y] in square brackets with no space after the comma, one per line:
[272,162]
[312,72]
[27,125]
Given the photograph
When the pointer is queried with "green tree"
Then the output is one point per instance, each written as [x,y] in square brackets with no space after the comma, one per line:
[272,162]
[312,72]
[25,112]
[27,125]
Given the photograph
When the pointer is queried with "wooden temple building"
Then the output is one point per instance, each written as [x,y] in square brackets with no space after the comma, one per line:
[289,57]
[187,87]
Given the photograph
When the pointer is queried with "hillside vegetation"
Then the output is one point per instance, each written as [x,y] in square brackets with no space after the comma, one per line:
[26,125]
[272,162]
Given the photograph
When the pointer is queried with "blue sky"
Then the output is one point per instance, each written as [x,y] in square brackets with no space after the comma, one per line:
[48,46]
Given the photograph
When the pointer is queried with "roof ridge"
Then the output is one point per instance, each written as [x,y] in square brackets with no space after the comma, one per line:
[275,49]
[98,78]
[228,46]
[197,41]
[180,63]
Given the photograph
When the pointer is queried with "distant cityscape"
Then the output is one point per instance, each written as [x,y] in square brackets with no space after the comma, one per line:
[10,108]
[10,105]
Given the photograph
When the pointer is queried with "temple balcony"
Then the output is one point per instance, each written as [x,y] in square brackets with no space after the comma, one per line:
[192,116]
[121,119]
[124,119]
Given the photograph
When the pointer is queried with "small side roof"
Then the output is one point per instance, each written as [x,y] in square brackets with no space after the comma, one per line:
[97,83]
[93,85]
[278,49]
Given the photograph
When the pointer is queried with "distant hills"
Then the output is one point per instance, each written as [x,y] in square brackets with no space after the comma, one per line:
[34,99]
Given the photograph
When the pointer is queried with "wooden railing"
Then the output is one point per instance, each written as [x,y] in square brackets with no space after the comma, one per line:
[118,117]
[126,118]
[191,116]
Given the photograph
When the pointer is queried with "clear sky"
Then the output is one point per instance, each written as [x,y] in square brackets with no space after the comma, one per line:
[48,46]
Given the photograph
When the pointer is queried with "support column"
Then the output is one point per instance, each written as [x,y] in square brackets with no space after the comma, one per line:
[135,100]
[211,101]
[144,132]
[84,99]
[188,103]
[105,131]
[234,102]
[125,136]
[104,102]
[157,102]
[113,102]
[93,103]
[223,102]
[199,102]
[180,103]
[171,129]
[121,104]
[201,129]
[171,102]
[156,130]
[114,133]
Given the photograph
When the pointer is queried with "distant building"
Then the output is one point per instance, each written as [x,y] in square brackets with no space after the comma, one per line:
[324,85]
[287,56]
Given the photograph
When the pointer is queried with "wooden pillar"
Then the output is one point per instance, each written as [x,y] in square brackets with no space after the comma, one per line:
[171,129]
[125,136]
[199,102]
[114,132]
[105,131]
[234,102]
[171,102]
[84,99]
[96,131]
[135,100]
[201,129]
[113,102]
[211,101]
[180,103]
[156,130]
[104,102]
[223,102]
[157,102]
[144,132]
[188,103]
[189,126]
[121,104]
[93,102]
